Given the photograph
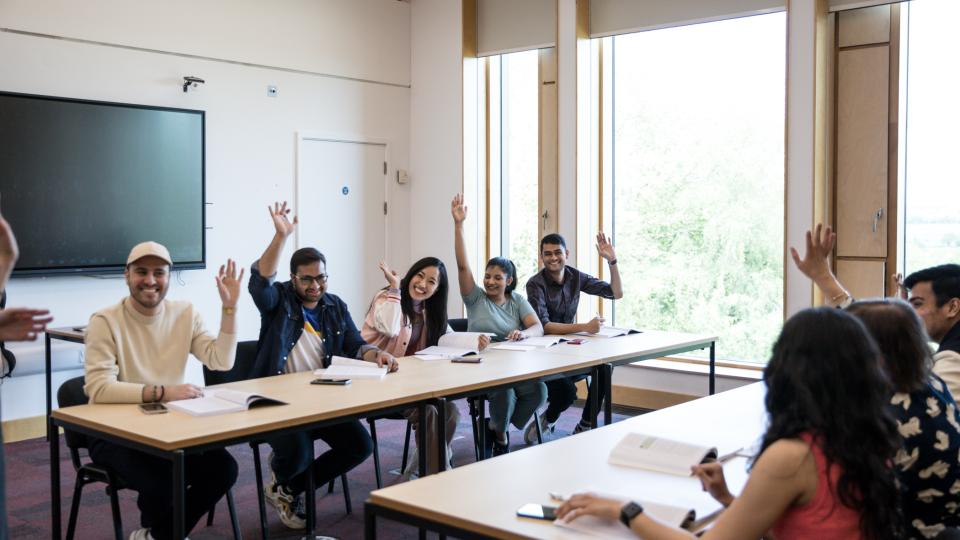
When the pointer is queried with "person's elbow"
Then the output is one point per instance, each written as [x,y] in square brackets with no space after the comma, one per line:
[617,295]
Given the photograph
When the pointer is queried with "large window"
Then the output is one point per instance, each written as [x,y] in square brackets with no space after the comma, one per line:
[697,128]
[513,159]
[932,183]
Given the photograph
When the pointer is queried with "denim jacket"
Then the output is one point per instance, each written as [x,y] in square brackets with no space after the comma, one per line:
[281,323]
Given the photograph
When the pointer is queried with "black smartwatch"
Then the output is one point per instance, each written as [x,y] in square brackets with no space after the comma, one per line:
[630,511]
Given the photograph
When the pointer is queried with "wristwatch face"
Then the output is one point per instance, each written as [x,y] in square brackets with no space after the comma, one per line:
[630,511]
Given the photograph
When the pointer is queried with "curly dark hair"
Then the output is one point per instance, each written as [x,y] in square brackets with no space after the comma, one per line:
[825,378]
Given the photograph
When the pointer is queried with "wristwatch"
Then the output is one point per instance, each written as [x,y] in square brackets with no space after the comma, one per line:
[630,511]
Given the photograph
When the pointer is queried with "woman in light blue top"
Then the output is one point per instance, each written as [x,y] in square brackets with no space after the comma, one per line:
[498,309]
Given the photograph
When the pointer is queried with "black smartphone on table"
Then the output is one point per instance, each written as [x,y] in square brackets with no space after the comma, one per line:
[538,511]
[152,408]
[331,382]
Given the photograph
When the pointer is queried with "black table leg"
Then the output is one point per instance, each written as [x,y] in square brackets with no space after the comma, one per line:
[592,393]
[441,405]
[47,368]
[422,438]
[607,396]
[179,494]
[482,426]
[54,477]
[311,494]
[369,523]
[713,360]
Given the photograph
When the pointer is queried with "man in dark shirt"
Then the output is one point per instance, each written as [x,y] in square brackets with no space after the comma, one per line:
[935,294]
[302,327]
[554,293]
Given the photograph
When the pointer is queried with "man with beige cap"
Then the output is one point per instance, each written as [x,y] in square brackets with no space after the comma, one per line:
[136,352]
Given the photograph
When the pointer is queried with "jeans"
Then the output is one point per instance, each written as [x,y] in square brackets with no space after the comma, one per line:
[350,444]
[452,417]
[561,393]
[515,405]
[208,477]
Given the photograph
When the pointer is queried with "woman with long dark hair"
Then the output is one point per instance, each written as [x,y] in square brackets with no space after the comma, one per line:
[407,316]
[824,467]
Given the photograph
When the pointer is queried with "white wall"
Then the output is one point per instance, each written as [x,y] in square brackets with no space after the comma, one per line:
[436,131]
[250,137]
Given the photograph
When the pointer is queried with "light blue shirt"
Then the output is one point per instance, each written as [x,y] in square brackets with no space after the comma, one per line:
[484,315]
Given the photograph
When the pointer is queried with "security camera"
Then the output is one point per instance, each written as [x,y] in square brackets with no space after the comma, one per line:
[191,81]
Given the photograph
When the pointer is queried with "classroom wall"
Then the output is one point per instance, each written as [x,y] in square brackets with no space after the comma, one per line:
[138,52]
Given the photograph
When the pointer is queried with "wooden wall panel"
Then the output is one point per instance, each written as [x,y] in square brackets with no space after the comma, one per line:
[862,138]
[864,26]
[864,279]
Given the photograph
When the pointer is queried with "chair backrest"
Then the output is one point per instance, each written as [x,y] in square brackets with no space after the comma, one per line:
[458,325]
[246,354]
[69,394]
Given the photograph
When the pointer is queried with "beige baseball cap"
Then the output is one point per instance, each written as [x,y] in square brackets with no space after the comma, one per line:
[147,249]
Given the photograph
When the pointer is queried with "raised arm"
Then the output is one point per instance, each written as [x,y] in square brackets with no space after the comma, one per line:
[605,249]
[815,264]
[464,275]
[283,228]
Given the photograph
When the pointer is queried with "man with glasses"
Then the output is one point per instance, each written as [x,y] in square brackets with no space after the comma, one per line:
[302,327]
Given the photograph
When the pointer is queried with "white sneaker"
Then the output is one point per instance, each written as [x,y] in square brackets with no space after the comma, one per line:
[413,466]
[530,434]
[449,457]
[141,534]
[289,507]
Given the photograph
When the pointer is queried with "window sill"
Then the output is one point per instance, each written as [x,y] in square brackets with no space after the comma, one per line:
[732,370]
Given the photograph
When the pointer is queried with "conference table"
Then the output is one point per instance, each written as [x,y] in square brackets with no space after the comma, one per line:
[480,500]
[418,383]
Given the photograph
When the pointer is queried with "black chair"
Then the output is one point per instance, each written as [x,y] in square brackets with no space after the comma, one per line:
[376,445]
[69,394]
[246,354]
[950,533]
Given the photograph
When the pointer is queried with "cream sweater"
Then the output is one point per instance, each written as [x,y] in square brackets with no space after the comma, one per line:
[126,350]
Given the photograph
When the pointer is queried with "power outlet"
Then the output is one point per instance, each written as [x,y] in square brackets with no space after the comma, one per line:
[272,91]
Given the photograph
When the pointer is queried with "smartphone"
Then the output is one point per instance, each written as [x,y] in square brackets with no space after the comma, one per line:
[538,511]
[332,382]
[153,408]
[468,360]
[577,341]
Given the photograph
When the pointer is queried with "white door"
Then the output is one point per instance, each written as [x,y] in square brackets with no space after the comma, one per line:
[341,194]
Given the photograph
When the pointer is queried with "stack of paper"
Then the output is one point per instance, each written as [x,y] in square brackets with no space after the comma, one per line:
[221,401]
[348,368]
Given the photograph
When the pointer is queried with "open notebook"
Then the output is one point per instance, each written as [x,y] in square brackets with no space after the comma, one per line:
[610,331]
[676,516]
[348,368]
[452,345]
[221,401]
[529,344]
[659,454]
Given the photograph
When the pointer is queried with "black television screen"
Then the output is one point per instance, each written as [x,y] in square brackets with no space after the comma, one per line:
[81,182]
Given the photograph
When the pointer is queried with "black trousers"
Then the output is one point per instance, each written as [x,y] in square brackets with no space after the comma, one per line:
[561,393]
[208,477]
[350,444]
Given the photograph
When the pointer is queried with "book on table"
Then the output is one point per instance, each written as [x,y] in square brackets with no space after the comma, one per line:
[530,343]
[453,345]
[642,451]
[349,368]
[221,401]
[610,331]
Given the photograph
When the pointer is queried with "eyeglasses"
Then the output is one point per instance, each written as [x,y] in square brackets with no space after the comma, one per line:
[310,280]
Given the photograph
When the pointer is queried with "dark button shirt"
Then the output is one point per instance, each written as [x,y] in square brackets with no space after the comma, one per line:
[281,323]
[557,302]
[951,341]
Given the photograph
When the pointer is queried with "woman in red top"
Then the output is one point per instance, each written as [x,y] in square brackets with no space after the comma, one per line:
[823,470]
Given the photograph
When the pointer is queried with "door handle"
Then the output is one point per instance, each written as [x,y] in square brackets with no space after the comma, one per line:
[543,219]
[876,219]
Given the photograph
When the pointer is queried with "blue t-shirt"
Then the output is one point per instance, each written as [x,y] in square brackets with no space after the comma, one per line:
[483,315]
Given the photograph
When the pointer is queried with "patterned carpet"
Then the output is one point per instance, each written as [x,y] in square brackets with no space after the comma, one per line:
[28,490]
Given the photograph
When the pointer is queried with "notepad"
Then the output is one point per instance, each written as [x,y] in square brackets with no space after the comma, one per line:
[676,516]
[348,368]
[659,454]
[610,331]
[221,401]
[453,345]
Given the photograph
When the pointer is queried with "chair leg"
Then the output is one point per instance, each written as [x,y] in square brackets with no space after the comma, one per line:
[476,433]
[536,421]
[234,519]
[210,514]
[258,473]
[346,493]
[406,447]
[74,507]
[115,509]
[376,452]
[331,485]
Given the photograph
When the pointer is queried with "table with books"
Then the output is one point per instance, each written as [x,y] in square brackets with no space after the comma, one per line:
[480,500]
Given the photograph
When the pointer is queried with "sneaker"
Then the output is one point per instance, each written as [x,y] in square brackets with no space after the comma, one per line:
[289,506]
[530,434]
[412,470]
[581,427]
[449,457]
[141,534]
[493,445]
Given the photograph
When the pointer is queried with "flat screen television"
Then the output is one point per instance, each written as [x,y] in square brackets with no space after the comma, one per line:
[81,182]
